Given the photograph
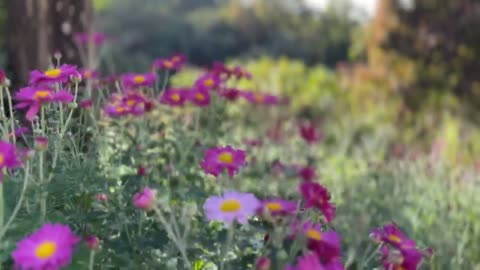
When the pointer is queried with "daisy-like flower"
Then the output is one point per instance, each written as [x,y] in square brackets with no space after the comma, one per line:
[278,207]
[131,103]
[85,38]
[89,74]
[309,133]
[8,157]
[315,195]
[307,262]
[207,82]
[60,74]
[199,97]
[218,158]
[174,97]
[50,247]
[391,234]
[33,98]
[395,259]
[259,98]
[325,244]
[139,80]
[146,199]
[175,62]
[232,206]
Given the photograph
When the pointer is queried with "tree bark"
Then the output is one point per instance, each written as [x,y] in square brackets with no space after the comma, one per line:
[37,28]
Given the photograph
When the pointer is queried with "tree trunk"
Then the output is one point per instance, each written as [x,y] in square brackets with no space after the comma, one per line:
[37,28]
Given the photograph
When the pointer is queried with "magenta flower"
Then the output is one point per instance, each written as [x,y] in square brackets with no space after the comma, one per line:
[309,133]
[89,74]
[325,244]
[232,206]
[218,158]
[207,82]
[142,170]
[231,94]
[96,38]
[308,262]
[139,80]
[50,247]
[33,98]
[175,62]
[146,199]
[8,157]
[174,97]
[263,263]
[278,207]
[391,234]
[92,242]
[41,143]
[60,74]
[199,97]
[307,173]
[259,98]
[18,132]
[130,103]
[400,259]
[220,70]
[86,104]
[240,73]
[3,77]
[102,197]
[315,195]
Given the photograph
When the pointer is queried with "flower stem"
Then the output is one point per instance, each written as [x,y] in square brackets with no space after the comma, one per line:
[44,194]
[230,233]
[12,119]
[91,260]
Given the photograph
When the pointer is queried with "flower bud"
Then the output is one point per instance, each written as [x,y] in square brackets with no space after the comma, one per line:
[263,263]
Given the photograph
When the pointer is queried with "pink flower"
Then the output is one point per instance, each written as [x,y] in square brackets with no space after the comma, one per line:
[139,80]
[33,98]
[146,199]
[92,242]
[326,244]
[240,73]
[207,82]
[219,69]
[50,247]
[307,173]
[231,94]
[130,103]
[8,157]
[315,195]
[309,133]
[41,143]
[3,77]
[218,158]
[141,171]
[86,104]
[88,74]
[85,38]
[391,234]
[404,259]
[199,97]
[102,197]
[259,98]
[61,74]
[263,263]
[307,262]
[174,97]
[232,206]
[278,207]
[175,62]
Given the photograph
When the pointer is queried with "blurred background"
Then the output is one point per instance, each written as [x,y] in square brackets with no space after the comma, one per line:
[406,69]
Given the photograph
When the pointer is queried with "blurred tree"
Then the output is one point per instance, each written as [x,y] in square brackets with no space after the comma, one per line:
[35,29]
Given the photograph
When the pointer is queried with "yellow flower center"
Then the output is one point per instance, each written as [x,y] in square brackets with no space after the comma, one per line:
[273,206]
[131,102]
[199,96]
[394,238]
[175,59]
[230,205]
[46,250]
[2,158]
[225,157]
[175,97]
[259,98]
[139,79]
[41,94]
[168,64]
[88,74]
[53,73]
[120,109]
[314,234]
[209,82]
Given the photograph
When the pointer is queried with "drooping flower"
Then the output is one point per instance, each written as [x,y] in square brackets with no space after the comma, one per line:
[207,82]
[146,199]
[60,74]
[391,234]
[175,62]
[309,133]
[92,242]
[278,207]
[174,97]
[231,206]
[139,80]
[326,244]
[8,157]
[315,195]
[199,97]
[85,38]
[33,98]
[218,158]
[399,259]
[50,247]
[307,173]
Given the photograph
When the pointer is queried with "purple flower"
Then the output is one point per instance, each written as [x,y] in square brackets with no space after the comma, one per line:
[232,206]
[310,133]
[50,247]
[240,73]
[315,195]
[408,259]
[278,207]
[326,244]
[307,173]
[391,234]
[145,199]
[139,80]
[231,94]
[33,98]
[174,97]
[199,97]
[218,158]
[175,62]
[89,74]
[259,98]
[207,82]
[92,242]
[61,74]
[41,143]
[8,157]
[130,103]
